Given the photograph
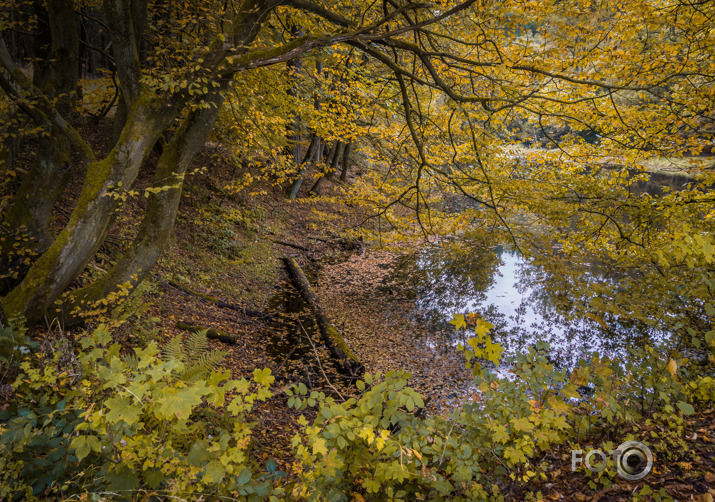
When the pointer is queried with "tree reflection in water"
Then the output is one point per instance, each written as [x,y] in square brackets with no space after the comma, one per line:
[527,300]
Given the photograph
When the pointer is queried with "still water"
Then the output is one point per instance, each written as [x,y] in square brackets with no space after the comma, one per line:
[526,302]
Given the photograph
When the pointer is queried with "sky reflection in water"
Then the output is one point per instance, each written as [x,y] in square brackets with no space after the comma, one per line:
[524,301]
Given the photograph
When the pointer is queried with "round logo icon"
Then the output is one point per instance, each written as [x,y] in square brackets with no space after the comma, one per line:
[634,460]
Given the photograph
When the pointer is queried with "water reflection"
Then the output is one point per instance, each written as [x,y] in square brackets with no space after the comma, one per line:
[525,300]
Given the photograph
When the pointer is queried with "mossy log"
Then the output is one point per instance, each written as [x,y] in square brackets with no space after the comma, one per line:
[348,363]
[215,334]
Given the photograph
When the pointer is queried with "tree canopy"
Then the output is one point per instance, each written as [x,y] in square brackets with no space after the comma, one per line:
[547,109]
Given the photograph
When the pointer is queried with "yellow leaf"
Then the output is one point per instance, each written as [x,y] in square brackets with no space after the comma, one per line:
[319,447]
[672,366]
[458,321]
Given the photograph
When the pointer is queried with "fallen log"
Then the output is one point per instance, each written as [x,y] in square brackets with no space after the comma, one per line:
[219,303]
[215,334]
[291,245]
[348,363]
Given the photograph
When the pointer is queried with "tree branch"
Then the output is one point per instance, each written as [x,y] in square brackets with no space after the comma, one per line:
[44,112]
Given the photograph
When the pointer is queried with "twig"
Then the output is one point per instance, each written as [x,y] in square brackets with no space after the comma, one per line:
[317,357]
[286,358]
[291,245]
[446,442]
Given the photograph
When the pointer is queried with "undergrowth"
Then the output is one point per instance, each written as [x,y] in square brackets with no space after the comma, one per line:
[89,422]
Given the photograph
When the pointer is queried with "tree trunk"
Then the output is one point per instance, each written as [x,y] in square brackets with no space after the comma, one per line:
[346,161]
[29,214]
[294,68]
[159,217]
[55,68]
[329,153]
[339,148]
[331,165]
[127,41]
[307,160]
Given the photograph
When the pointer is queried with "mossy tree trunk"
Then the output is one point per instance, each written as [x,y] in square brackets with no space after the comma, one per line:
[347,361]
[107,181]
[155,230]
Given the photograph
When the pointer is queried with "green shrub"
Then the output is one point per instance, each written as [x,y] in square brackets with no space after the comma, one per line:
[147,425]
[125,426]
[373,447]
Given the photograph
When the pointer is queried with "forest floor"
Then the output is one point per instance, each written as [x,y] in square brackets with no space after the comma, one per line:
[228,245]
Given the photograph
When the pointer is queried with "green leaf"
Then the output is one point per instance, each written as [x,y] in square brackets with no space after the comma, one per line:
[154,478]
[244,477]
[198,454]
[81,447]
[122,409]
[215,472]
[492,351]
[319,447]
[263,376]
[180,402]
[483,327]
[686,408]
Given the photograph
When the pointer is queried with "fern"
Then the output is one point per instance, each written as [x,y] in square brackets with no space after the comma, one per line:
[204,364]
[199,361]
[196,345]
[175,349]
[131,361]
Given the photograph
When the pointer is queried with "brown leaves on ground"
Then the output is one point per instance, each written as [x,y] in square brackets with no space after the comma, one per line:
[361,297]
[682,473]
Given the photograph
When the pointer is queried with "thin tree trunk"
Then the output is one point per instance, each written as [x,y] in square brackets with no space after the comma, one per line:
[309,156]
[346,161]
[336,159]
[331,165]
[294,68]
[330,151]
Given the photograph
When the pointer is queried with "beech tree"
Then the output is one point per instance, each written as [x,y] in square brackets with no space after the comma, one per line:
[455,90]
